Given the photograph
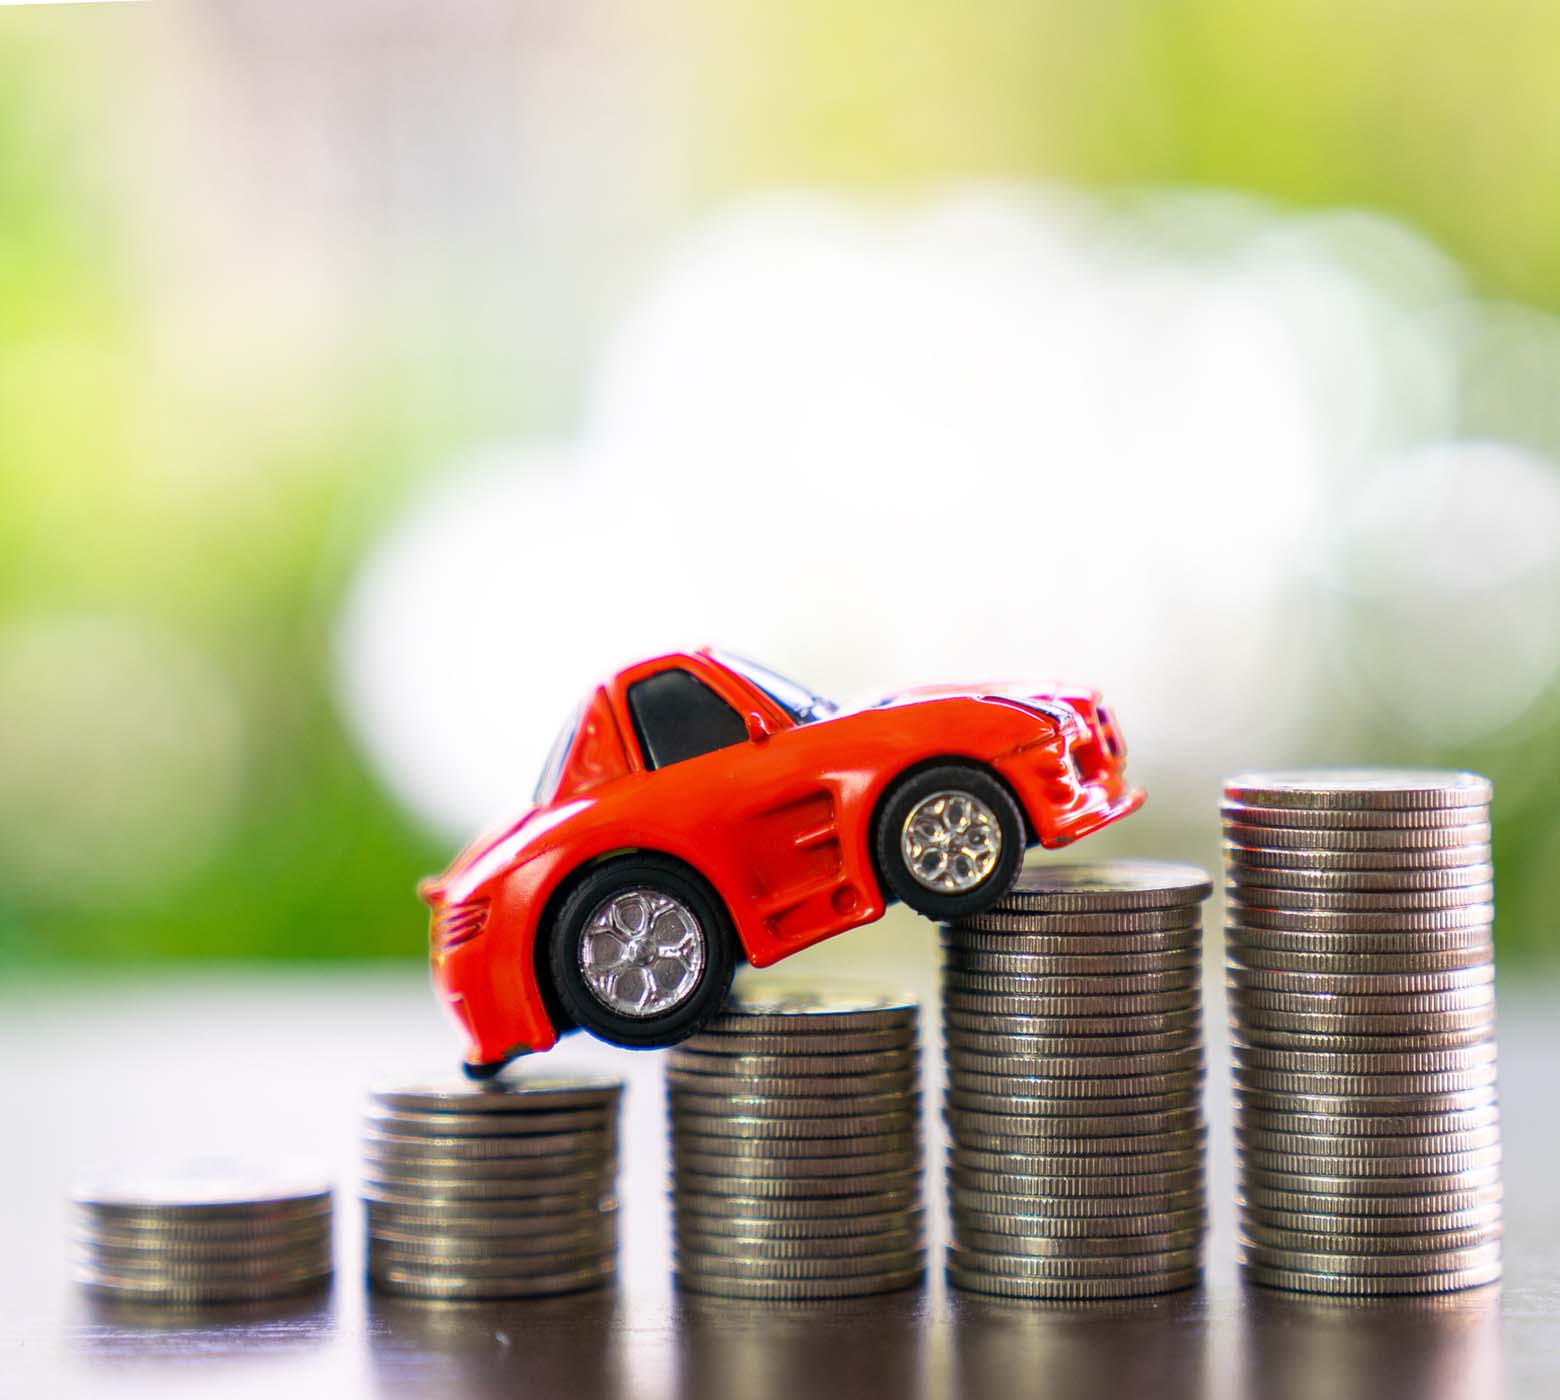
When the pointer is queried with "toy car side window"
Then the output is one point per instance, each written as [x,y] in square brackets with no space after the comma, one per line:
[677,716]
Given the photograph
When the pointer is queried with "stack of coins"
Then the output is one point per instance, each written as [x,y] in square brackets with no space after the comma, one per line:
[1073,1032]
[206,1233]
[1361,986]
[498,1190]
[796,1146]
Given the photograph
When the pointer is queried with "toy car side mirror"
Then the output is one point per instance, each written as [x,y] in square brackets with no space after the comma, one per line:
[758,729]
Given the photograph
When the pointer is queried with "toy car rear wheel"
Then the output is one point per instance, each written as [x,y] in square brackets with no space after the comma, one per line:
[642,952]
[949,841]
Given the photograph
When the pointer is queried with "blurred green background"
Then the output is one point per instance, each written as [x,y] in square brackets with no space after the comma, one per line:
[265,267]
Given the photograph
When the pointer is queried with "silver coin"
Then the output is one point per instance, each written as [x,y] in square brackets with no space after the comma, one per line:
[1339,819]
[1069,1008]
[803,1229]
[1370,1265]
[972,1071]
[1317,861]
[1449,1281]
[1252,1028]
[1075,1247]
[1117,884]
[418,1283]
[1362,1086]
[1155,1100]
[182,1244]
[1414,878]
[1368,1127]
[1085,1267]
[414,1187]
[760,1250]
[906,1139]
[684,1063]
[1432,1242]
[1474,956]
[1360,902]
[383,1256]
[801,1290]
[768,1004]
[406,1122]
[1424,1004]
[722,1043]
[201,1291]
[164,1229]
[1354,788]
[1315,1184]
[422,1200]
[1021,984]
[844,1087]
[1379,1231]
[206,1189]
[1318,1166]
[1370,1062]
[1078,1128]
[903,1194]
[1023,1095]
[1031,1185]
[1362,983]
[685,1159]
[498,1151]
[1360,921]
[1173,1199]
[1101,1232]
[1071,965]
[1433,1201]
[793,1129]
[692,1264]
[1170,927]
[1249,1099]
[965,1140]
[511,1092]
[790,1105]
[1094,1167]
[1181,941]
[143,1266]
[1451,1027]
[965,1045]
[1241,939]
[591,1237]
[1355,838]
[693,1182]
[1071,1289]
[1146,1023]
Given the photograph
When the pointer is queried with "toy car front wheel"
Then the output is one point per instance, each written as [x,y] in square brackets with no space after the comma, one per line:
[949,841]
[642,952]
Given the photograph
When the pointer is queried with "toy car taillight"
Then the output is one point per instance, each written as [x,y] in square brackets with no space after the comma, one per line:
[454,924]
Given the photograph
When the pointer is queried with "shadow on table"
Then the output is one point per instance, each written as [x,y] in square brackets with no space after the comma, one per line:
[1296,1346]
[730,1349]
[1113,1349]
[113,1331]
[561,1346]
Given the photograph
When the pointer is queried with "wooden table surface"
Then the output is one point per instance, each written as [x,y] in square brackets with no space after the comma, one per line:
[271,1065]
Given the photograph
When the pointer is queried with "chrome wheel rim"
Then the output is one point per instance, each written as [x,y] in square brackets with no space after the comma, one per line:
[951,842]
[642,953]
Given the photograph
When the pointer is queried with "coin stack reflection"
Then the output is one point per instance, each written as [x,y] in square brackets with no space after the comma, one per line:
[796,1147]
[499,1190]
[209,1233]
[1073,1034]
[1361,986]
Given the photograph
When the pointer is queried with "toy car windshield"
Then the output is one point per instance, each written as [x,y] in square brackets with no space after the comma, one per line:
[796,700]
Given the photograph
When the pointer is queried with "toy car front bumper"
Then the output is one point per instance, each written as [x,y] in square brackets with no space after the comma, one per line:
[1099,810]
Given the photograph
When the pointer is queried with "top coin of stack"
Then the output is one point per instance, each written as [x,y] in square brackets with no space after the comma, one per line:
[796,1147]
[205,1233]
[1361,988]
[497,1190]
[1073,1033]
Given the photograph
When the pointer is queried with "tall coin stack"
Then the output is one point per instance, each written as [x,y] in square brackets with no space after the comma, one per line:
[796,1146]
[207,1233]
[1073,1033]
[1361,987]
[499,1190]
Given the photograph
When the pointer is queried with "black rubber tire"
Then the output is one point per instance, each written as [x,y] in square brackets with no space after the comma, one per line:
[720,959]
[902,798]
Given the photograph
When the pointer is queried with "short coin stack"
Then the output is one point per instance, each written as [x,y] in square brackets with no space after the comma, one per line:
[499,1190]
[206,1233]
[1073,1030]
[796,1146]
[1361,986]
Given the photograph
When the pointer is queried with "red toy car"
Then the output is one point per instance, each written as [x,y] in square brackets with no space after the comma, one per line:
[699,809]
